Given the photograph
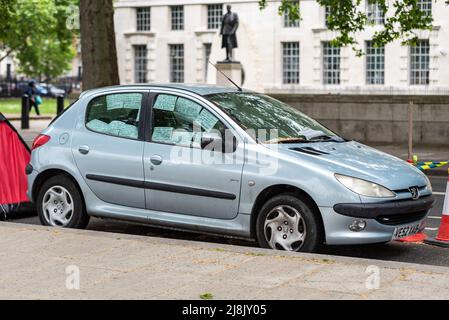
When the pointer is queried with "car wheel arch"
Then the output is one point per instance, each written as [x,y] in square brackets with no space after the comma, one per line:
[47,174]
[275,190]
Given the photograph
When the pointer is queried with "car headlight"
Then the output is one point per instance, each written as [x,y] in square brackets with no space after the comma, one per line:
[429,184]
[364,188]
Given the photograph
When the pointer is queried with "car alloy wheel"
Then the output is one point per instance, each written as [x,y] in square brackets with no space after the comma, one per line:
[57,206]
[285,229]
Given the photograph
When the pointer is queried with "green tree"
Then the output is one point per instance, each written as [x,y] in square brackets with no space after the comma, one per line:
[6,14]
[348,17]
[36,33]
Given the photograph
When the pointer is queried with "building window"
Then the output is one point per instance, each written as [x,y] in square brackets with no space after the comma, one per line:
[177,17]
[375,64]
[425,6]
[290,62]
[140,63]
[419,63]
[207,51]
[79,77]
[327,14]
[143,19]
[289,23]
[8,72]
[331,64]
[375,13]
[214,16]
[176,63]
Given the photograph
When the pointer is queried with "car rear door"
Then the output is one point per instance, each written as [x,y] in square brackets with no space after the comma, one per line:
[180,177]
[108,147]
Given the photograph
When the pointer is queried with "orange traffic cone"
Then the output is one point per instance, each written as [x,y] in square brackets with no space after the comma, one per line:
[419,237]
[442,240]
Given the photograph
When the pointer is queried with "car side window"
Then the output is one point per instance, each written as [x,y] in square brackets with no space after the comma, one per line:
[115,114]
[180,121]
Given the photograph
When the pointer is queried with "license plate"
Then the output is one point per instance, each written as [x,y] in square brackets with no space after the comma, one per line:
[406,231]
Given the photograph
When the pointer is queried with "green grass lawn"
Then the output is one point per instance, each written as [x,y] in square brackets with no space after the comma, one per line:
[14,106]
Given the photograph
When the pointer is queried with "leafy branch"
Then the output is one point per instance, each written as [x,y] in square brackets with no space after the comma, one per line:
[35,32]
[348,17]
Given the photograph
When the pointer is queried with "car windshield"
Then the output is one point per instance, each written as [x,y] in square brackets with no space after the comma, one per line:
[257,112]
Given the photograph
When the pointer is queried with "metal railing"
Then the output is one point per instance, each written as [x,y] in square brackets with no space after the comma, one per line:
[26,108]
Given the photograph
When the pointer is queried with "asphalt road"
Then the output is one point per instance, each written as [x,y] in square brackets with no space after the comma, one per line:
[395,251]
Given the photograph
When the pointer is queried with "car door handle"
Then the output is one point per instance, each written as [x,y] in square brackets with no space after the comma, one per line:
[156,160]
[84,150]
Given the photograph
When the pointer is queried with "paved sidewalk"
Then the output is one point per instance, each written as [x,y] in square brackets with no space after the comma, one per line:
[35,260]
[36,126]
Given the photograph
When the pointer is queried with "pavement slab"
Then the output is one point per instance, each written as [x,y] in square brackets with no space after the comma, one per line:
[37,262]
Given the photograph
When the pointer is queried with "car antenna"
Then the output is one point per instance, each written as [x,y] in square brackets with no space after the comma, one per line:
[224,75]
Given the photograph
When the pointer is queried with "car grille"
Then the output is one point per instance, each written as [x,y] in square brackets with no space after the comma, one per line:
[398,219]
[406,192]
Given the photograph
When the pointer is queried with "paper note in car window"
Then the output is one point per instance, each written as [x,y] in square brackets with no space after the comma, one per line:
[162,134]
[188,108]
[182,138]
[124,100]
[165,102]
[121,129]
[207,120]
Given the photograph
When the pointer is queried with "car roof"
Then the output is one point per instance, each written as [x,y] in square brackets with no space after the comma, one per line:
[200,89]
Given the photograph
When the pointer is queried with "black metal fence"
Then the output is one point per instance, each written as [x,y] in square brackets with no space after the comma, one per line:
[15,88]
[26,108]
[11,88]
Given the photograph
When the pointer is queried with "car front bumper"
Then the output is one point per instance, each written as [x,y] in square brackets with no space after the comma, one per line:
[381,219]
[385,209]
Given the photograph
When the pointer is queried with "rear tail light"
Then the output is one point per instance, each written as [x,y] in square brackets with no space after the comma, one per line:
[40,141]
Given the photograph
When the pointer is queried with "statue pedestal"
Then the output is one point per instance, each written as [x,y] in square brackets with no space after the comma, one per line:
[233,70]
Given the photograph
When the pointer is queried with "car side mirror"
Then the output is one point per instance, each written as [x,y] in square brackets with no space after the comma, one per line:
[211,141]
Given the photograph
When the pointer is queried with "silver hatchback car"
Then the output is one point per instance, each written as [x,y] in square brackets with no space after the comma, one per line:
[220,161]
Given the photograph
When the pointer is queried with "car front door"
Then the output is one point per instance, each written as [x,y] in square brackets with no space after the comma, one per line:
[108,147]
[180,176]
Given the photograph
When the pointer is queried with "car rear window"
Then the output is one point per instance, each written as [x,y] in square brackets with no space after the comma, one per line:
[115,114]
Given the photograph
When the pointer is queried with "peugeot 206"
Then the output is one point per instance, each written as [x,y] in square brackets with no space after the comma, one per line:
[222,161]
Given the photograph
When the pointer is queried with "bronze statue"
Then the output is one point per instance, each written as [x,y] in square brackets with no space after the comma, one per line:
[229,26]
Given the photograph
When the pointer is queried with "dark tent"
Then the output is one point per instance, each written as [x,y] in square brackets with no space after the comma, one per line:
[14,157]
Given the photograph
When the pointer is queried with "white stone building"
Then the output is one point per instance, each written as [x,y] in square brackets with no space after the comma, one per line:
[171,40]
[7,67]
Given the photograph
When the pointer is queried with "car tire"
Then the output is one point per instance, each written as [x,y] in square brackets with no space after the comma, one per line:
[60,204]
[280,230]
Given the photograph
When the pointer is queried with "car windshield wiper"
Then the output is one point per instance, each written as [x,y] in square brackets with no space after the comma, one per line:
[286,140]
[326,138]
[322,138]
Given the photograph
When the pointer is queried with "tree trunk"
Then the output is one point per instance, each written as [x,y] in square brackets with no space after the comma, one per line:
[6,55]
[99,52]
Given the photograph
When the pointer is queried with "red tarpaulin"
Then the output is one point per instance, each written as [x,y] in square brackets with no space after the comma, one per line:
[14,157]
